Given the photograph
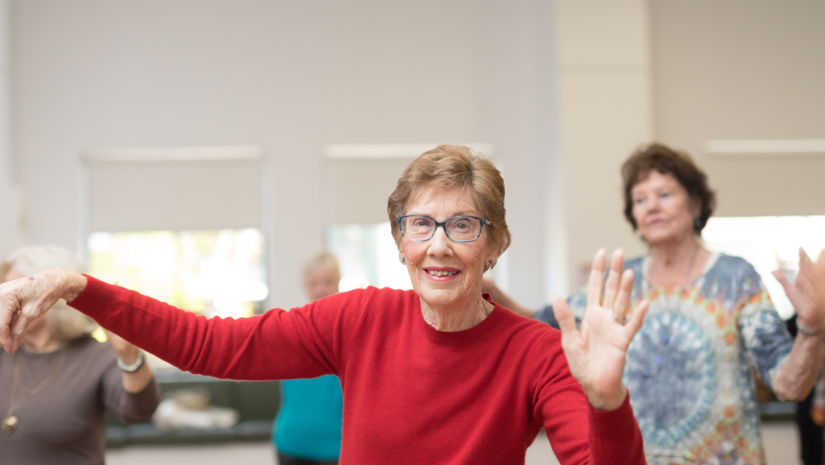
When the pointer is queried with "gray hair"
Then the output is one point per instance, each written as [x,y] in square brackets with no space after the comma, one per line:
[64,322]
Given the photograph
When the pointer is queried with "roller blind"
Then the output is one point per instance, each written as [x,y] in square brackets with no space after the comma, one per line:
[173,189]
[357,189]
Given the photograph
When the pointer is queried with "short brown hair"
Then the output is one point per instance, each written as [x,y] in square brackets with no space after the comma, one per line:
[449,166]
[678,164]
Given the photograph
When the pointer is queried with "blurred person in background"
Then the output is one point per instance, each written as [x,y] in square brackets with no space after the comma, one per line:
[710,318]
[55,391]
[308,426]
[436,374]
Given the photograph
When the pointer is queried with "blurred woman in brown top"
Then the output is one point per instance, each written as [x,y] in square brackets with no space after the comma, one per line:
[54,394]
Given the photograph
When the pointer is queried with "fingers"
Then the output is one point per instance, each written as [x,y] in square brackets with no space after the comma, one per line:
[623,300]
[636,321]
[805,262]
[28,314]
[780,276]
[612,285]
[7,312]
[594,284]
[567,323]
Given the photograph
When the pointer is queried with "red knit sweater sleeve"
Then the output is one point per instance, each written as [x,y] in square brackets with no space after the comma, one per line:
[560,405]
[305,342]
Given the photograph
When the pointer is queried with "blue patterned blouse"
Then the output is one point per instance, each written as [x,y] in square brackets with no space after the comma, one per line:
[689,367]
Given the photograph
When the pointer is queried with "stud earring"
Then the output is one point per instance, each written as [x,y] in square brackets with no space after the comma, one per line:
[402,258]
[490,263]
[697,222]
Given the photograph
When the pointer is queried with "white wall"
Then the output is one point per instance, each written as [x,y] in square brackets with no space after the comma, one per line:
[9,218]
[290,77]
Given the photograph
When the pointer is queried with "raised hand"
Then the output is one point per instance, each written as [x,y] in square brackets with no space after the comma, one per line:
[26,299]
[596,353]
[126,352]
[807,293]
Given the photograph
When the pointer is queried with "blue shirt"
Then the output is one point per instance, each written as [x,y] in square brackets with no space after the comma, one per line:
[309,423]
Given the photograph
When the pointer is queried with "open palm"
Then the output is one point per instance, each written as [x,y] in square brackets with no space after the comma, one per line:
[807,293]
[597,351]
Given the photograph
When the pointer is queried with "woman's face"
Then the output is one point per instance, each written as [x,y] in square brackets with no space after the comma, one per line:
[663,209]
[464,261]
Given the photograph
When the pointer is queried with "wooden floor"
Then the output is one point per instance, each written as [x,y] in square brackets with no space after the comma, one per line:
[781,448]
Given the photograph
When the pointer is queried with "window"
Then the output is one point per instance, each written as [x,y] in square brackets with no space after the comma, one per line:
[213,273]
[769,243]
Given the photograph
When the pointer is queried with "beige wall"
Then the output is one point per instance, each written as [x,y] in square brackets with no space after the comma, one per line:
[743,69]
[605,113]
[290,77]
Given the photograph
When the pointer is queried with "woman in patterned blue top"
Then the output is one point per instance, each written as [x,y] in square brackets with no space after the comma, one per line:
[710,319]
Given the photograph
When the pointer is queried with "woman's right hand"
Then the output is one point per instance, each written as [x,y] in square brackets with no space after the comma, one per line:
[26,299]
[597,352]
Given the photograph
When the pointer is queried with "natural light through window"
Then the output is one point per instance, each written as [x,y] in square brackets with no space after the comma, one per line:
[214,273]
[769,243]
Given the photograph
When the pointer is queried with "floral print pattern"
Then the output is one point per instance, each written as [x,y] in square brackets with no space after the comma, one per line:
[689,367]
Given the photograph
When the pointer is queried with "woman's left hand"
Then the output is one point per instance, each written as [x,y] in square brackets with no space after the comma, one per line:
[807,293]
[596,353]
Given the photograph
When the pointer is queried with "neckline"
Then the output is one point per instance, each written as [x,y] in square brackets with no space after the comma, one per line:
[709,264]
[476,333]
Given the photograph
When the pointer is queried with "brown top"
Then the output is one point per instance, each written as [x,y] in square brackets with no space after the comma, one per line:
[65,422]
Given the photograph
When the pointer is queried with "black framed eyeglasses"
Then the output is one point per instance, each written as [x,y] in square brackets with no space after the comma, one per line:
[458,228]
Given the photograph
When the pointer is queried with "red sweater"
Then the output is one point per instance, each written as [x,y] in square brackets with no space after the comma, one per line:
[411,394]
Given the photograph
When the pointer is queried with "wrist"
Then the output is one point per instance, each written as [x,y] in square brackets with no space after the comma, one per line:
[809,330]
[128,356]
[607,401]
[74,283]
[134,366]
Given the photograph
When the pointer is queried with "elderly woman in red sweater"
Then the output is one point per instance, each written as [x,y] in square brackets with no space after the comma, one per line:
[439,374]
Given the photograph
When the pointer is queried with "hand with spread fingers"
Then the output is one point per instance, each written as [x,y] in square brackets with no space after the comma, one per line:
[596,352]
[26,299]
[807,293]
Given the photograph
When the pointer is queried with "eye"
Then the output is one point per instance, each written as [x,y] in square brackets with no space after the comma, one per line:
[664,194]
[639,200]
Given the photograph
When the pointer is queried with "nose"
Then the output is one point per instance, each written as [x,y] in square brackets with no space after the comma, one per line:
[652,204]
[440,244]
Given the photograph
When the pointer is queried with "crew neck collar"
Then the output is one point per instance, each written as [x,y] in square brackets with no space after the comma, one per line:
[476,333]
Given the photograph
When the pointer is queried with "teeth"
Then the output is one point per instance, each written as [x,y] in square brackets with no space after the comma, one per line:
[441,273]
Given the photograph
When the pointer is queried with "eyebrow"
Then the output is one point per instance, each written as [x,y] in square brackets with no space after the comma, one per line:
[452,216]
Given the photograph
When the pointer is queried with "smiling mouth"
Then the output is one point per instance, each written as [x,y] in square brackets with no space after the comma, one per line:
[441,273]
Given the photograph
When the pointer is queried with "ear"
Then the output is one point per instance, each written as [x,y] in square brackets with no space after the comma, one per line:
[491,254]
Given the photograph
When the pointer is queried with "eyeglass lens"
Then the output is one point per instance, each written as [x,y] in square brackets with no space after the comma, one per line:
[459,228]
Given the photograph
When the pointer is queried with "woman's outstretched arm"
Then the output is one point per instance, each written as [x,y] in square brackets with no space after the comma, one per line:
[303,343]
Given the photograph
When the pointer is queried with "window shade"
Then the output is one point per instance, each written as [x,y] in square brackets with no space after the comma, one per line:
[152,193]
